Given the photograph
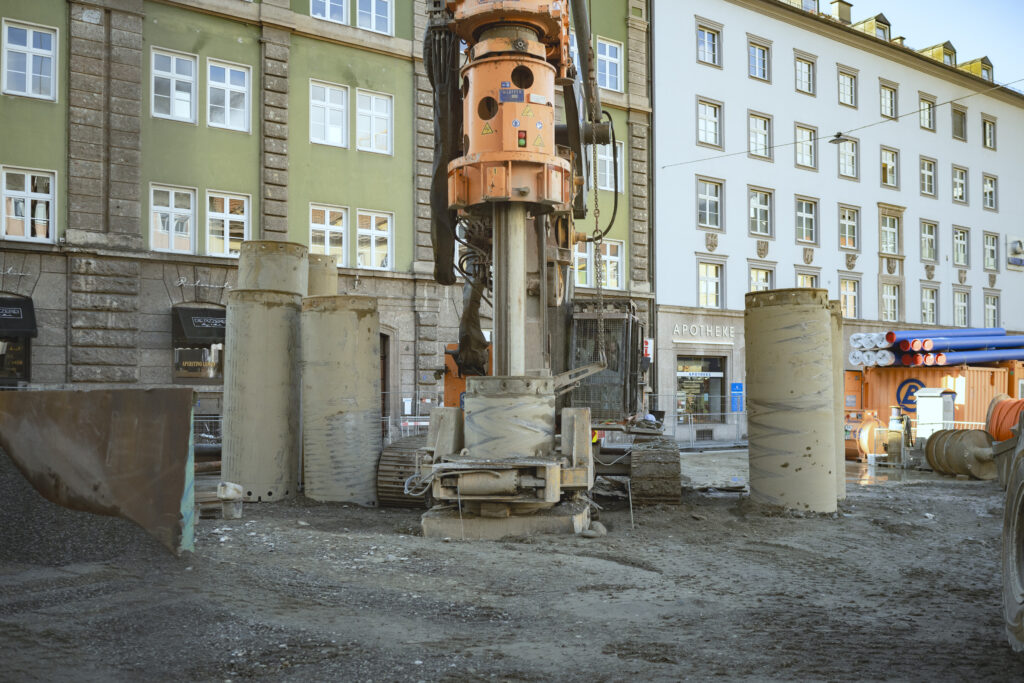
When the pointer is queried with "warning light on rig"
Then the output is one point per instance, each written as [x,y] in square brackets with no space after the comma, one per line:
[522,138]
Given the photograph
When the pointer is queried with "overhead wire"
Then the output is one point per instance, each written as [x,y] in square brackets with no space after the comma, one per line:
[881,121]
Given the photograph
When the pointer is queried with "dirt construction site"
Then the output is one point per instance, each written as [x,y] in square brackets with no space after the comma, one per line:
[901,584]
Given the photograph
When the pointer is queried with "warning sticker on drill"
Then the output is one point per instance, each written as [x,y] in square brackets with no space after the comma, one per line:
[487,130]
[510,95]
[528,111]
[539,142]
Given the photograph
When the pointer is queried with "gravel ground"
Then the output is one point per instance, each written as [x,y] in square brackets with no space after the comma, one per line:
[902,585]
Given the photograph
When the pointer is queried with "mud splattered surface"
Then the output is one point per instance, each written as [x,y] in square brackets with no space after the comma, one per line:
[712,589]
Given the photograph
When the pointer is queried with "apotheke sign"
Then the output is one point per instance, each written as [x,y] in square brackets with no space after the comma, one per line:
[701,332]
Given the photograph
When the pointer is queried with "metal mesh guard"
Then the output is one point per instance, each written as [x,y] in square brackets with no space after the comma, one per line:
[604,392]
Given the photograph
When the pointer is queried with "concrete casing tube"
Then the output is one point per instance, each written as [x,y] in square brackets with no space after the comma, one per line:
[341,436]
[261,393]
[323,275]
[791,399]
[839,387]
[274,266]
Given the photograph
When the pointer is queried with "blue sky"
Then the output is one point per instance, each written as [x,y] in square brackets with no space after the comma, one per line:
[976,28]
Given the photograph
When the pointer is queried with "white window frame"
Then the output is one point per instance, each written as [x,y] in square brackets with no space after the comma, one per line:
[927,168]
[227,216]
[371,115]
[716,46]
[889,234]
[28,196]
[172,212]
[806,279]
[849,227]
[228,89]
[759,140]
[888,105]
[53,55]
[991,310]
[960,185]
[990,251]
[584,254]
[760,213]
[608,259]
[174,77]
[759,285]
[327,4]
[849,298]
[953,112]
[929,305]
[372,233]
[710,282]
[890,312]
[961,308]
[707,124]
[713,202]
[605,164]
[389,30]
[929,240]
[847,95]
[806,220]
[806,148]
[847,153]
[961,247]
[583,264]
[988,132]
[890,167]
[805,85]
[327,107]
[926,112]
[328,229]
[759,61]
[605,60]
[989,192]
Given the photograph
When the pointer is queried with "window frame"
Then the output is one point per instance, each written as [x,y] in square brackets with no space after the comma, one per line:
[29,52]
[28,195]
[966,232]
[884,298]
[606,157]
[607,259]
[373,115]
[326,227]
[372,233]
[894,88]
[720,184]
[990,239]
[703,260]
[711,27]
[247,221]
[934,291]
[812,62]
[815,220]
[720,106]
[807,271]
[345,11]
[856,159]
[797,128]
[193,215]
[966,187]
[174,54]
[228,88]
[954,110]
[922,109]
[965,292]
[895,184]
[751,191]
[856,227]
[328,107]
[985,194]
[769,135]
[763,268]
[390,31]
[757,43]
[922,160]
[843,296]
[896,231]
[585,251]
[934,258]
[988,123]
[996,298]
[620,84]
[852,74]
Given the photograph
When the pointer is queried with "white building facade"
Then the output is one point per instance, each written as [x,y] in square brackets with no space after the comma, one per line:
[912,219]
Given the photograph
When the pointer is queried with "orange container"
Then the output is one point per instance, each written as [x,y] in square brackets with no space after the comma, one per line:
[975,388]
[1015,386]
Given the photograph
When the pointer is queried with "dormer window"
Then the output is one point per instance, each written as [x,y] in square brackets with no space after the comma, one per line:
[882,31]
[947,58]
[986,73]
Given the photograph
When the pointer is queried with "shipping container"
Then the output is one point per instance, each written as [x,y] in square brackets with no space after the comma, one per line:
[975,388]
[1015,382]
[853,412]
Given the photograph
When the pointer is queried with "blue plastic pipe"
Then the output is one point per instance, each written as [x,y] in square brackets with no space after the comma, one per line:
[899,335]
[957,357]
[972,343]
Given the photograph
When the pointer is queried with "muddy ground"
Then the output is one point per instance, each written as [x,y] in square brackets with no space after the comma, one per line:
[902,585]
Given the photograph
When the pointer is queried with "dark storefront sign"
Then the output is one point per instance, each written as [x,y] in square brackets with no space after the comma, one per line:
[17,317]
[198,337]
[17,327]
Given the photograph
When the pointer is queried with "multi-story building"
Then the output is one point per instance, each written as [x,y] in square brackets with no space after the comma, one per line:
[143,140]
[795,148]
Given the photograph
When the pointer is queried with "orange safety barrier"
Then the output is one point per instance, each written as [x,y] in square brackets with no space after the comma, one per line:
[1003,416]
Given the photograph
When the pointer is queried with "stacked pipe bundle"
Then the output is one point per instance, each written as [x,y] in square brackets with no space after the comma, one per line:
[935,347]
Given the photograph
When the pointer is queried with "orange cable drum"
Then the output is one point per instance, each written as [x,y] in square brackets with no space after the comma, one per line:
[1003,417]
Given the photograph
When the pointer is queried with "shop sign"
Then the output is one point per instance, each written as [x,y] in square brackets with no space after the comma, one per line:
[699,375]
[649,348]
[701,332]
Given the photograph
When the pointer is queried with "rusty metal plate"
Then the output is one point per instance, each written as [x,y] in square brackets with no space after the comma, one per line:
[120,452]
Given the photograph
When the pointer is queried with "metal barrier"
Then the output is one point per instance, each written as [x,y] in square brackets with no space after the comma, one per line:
[410,414]
[701,430]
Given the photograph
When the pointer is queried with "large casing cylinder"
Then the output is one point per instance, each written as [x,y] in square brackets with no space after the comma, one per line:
[261,393]
[509,418]
[275,266]
[341,435]
[839,391]
[790,399]
[323,275]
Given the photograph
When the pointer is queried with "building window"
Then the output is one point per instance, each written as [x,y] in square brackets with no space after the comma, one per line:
[991,310]
[606,168]
[28,213]
[197,337]
[961,309]
[609,65]
[582,264]
[949,58]
[331,10]
[227,223]
[805,80]
[849,296]
[761,279]
[890,167]
[848,227]
[848,159]
[890,235]
[373,240]
[612,276]
[172,219]
[847,89]
[174,86]
[228,96]
[807,280]
[988,133]
[929,306]
[709,285]
[806,221]
[30,57]
[373,122]
[927,113]
[374,15]
[928,177]
[700,388]
[709,123]
[959,123]
[959,184]
[988,192]
[929,241]
[760,136]
[806,147]
[760,213]
[708,41]
[327,226]
[890,303]
[758,61]
[328,105]
[574,52]
[961,253]
[709,204]
[888,101]
[986,73]
[991,252]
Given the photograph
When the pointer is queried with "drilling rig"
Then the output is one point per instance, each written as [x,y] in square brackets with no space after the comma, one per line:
[509,182]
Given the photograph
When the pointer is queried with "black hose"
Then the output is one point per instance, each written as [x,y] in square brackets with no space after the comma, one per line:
[615,174]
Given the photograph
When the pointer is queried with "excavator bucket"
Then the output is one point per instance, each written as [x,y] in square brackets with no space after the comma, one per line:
[120,452]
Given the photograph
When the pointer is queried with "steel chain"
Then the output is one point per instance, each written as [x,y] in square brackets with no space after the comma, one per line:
[598,238]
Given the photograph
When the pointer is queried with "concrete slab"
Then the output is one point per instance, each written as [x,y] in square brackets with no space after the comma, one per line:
[447,522]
